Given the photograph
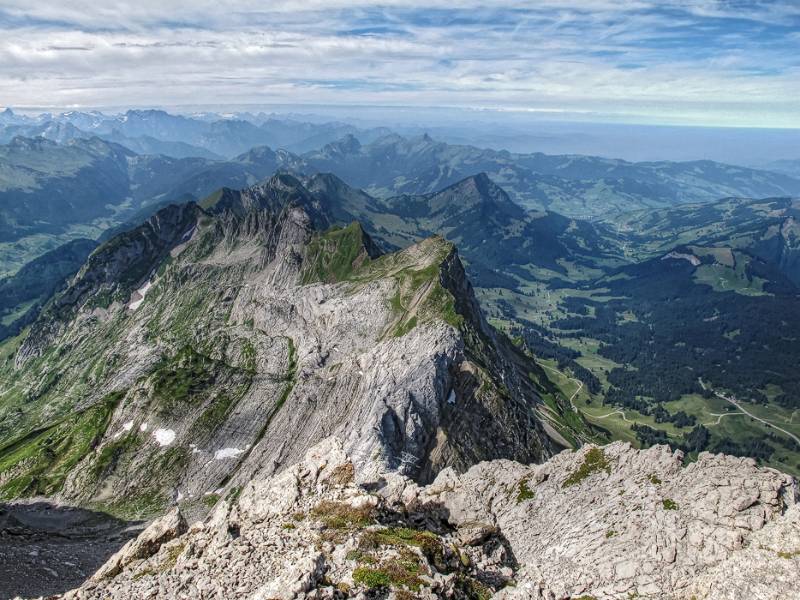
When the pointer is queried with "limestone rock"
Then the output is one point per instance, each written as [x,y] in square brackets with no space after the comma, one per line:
[605,523]
[159,532]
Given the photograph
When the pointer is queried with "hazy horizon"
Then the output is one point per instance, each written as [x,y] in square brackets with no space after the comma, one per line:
[518,131]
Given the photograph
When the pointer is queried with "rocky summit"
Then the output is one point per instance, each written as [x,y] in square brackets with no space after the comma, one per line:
[602,522]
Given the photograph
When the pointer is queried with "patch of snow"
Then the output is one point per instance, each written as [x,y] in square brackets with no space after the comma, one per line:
[143,427]
[227,453]
[125,427]
[138,296]
[188,235]
[451,399]
[164,437]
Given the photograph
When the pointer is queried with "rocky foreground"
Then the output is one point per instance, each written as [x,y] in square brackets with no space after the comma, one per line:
[610,522]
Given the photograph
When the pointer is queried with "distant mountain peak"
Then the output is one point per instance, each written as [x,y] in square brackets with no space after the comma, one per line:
[481,188]
[349,144]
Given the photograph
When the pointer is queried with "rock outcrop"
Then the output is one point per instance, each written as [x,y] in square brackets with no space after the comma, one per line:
[601,523]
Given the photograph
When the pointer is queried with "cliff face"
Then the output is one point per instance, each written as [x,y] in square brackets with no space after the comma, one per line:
[215,345]
[603,523]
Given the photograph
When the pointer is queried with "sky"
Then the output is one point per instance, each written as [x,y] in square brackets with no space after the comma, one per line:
[677,62]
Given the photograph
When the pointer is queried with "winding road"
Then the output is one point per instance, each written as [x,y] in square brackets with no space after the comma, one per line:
[619,411]
[751,415]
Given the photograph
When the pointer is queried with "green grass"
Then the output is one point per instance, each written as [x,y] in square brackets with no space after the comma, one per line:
[111,454]
[141,505]
[398,573]
[39,463]
[371,578]
[210,500]
[334,255]
[725,279]
[179,380]
[404,327]
[216,413]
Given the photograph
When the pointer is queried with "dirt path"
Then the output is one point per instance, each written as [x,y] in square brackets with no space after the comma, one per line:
[618,411]
[719,417]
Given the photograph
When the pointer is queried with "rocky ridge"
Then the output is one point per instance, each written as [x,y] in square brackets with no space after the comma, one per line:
[218,342]
[603,522]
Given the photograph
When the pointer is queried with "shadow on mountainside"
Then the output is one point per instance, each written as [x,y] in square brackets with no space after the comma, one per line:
[47,549]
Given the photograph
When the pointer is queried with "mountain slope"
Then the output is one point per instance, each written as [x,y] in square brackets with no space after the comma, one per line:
[765,228]
[212,344]
[635,319]
[22,294]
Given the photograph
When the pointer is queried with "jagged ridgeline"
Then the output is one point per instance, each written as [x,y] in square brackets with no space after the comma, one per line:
[222,340]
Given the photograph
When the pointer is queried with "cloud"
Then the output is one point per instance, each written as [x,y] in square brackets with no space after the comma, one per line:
[679,61]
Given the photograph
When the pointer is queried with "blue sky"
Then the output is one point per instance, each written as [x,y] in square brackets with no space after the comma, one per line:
[693,62]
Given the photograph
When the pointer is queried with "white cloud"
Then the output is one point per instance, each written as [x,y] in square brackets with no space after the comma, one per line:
[594,56]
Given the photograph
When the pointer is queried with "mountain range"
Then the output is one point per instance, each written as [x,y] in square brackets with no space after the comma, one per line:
[576,186]
[81,184]
[180,136]
[298,361]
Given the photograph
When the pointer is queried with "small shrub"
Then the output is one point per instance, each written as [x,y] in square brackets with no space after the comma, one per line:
[340,515]
[210,500]
[233,494]
[371,578]
[669,504]
[474,589]
[361,557]
[343,474]
[524,492]
[654,479]
[594,462]
[172,556]
[610,533]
